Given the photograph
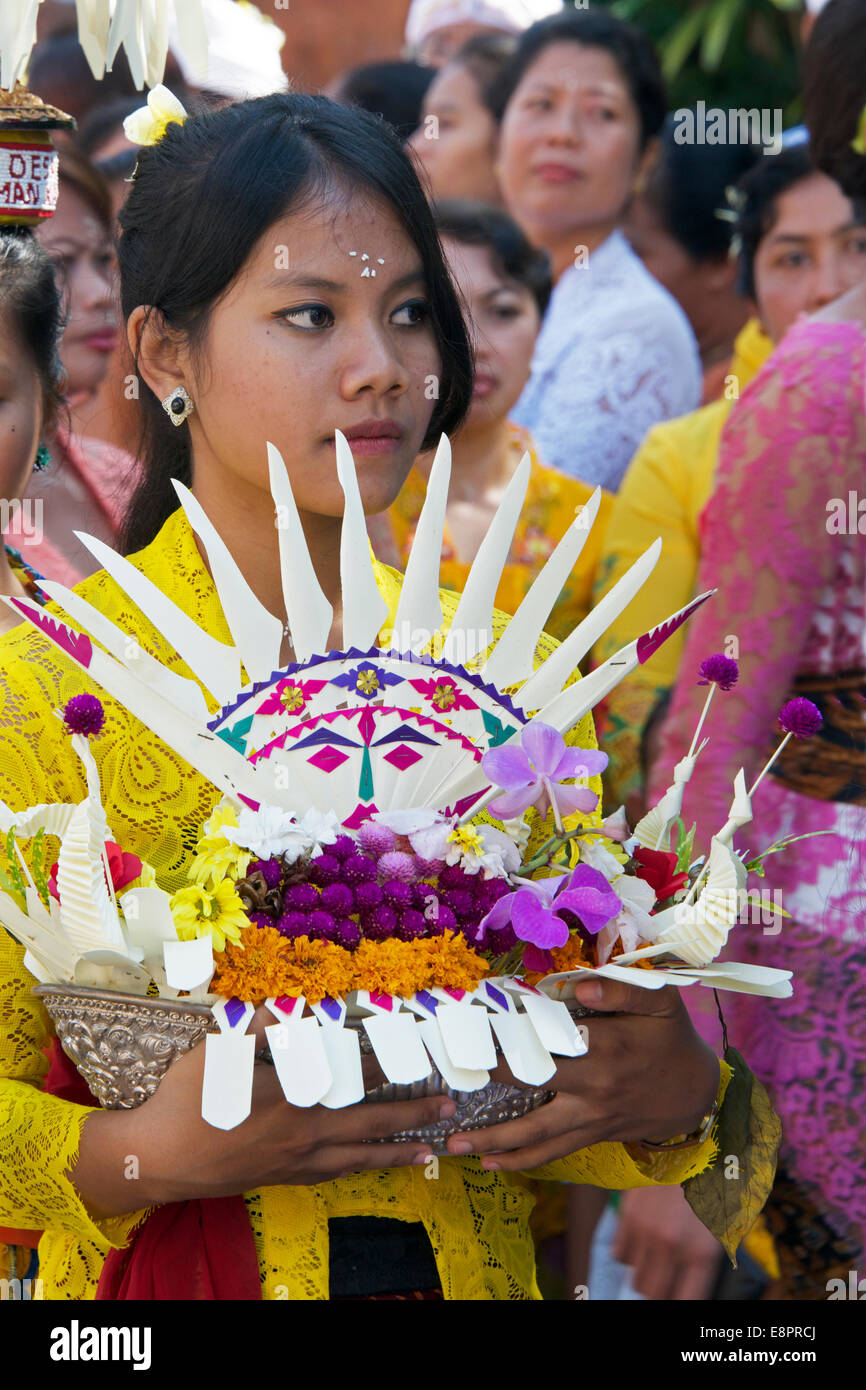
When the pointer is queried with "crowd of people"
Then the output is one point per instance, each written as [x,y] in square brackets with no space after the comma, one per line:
[679,326]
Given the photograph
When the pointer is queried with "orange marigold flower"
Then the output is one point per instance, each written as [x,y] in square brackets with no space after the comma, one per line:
[568,957]
[317,969]
[451,963]
[252,969]
[387,967]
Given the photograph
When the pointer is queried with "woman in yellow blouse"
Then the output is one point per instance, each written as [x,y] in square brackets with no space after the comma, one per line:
[801,246]
[289,190]
[505,284]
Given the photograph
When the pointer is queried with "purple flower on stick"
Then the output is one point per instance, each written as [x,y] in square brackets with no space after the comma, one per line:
[533,775]
[535,911]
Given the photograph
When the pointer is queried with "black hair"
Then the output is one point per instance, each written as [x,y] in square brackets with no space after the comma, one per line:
[478,224]
[632,51]
[834,92]
[393,90]
[202,198]
[487,58]
[687,189]
[29,291]
[757,194]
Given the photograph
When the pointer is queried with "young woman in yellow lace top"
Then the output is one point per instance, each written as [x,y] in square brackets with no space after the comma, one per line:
[239,284]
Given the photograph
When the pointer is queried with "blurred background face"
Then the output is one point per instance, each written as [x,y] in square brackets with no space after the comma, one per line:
[80,246]
[503,322]
[458,160]
[569,147]
[813,253]
[440,47]
[697,284]
[21,410]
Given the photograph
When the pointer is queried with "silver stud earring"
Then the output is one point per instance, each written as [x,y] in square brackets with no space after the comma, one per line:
[178,405]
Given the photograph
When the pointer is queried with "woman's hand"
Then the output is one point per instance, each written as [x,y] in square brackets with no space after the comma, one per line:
[179,1156]
[671,1253]
[646,1076]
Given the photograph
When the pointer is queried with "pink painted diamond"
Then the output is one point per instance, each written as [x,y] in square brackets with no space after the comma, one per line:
[402,757]
[327,759]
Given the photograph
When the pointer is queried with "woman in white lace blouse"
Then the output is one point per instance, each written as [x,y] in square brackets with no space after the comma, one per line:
[582,105]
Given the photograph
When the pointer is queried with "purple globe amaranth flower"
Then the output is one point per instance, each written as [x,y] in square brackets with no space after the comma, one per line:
[719,670]
[346,933]
[397,864]
[321,926]
[357,868]
[343,847]
[397,893]
[533,774]
[301,897]
[270,869]
[368,896]
[535,910]
[325,869]
[410,924]
[84,715]
[800,718]
[339,899]
[376,839]
[380,923]
[293,924]
[262,919]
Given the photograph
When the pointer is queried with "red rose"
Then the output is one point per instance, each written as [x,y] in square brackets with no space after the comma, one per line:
[658,868]
[124,868]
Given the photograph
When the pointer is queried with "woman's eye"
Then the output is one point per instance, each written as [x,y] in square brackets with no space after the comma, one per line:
[506,311]
[318,316]
[418,311]
[858,246]
[794,260]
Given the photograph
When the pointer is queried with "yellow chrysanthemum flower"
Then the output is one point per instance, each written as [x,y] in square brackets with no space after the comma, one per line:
[216,858]
[218,913]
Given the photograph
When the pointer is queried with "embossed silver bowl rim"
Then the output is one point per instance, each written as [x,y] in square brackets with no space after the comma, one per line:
[106,1034]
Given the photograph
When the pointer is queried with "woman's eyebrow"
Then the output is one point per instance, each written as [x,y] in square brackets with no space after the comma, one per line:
[319,282]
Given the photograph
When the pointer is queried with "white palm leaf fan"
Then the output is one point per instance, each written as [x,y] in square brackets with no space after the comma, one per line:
[697,931]
[381,724]
[140,27]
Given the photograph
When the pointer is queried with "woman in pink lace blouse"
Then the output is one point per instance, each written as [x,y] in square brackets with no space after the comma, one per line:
[784,541]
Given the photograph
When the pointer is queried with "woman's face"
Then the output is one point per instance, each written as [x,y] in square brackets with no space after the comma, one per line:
[80,246]
[456,140]
[504,323]
[21,411]
[306,342]
[813,253]
[569,146]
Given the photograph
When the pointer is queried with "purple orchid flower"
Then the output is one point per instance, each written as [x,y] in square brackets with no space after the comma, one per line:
[535,910]
[534,773]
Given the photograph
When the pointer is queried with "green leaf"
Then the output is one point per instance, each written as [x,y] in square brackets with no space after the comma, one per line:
[680,42]
[685,845]
[12,866]
[756,865]
[717,33]
[729,1196]
[38,867]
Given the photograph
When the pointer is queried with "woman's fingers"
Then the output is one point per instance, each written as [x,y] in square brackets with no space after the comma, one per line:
[381,1119]
[558,1124]
[343,1159]
[614,996]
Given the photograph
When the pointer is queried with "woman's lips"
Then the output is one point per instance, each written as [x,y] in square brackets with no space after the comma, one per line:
[483,385]
[101,342]
[371,447]
[556,173]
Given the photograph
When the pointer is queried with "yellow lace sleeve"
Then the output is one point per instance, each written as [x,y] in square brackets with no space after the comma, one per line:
[39,1133]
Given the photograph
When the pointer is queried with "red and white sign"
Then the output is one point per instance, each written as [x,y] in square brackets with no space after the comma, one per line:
[28,179]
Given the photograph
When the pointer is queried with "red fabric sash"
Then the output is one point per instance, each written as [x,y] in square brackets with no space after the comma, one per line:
[200,1249]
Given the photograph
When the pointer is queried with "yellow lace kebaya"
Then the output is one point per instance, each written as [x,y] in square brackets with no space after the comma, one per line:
[156,804]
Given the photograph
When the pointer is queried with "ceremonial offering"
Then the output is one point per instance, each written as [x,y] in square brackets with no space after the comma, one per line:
[407,857]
